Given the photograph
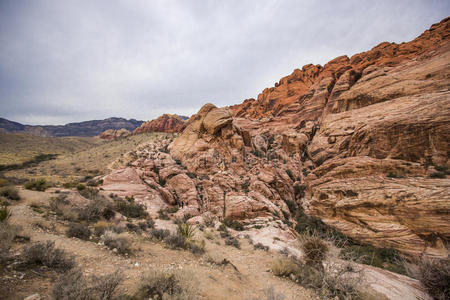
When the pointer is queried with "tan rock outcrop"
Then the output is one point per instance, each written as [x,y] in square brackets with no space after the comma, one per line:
[113,134]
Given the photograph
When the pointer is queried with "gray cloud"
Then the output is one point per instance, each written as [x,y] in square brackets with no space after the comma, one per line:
[66,61]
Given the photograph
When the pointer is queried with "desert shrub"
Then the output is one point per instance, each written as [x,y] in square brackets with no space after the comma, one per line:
[160,234]
[45,253]
[187,230]
[37,185]
[314,248]
[147,224]
[166,284]
[245,185]
[134,228]
[10,192]
[81,187]
[61,206]
[74,286]
[175,241]
[443,169]
[437,175]
[172,209]
[385,258]
[116,241]
[130,208]
[208,220]
[299,190]
[196,248]
[7,234]
[78,230]
[4,182]
[162,214]
[260,246]
[88,193]
[284,267]
[5,214]
[236,225]
[100,227]
[342,282]
[232,241]
[290,174]
[391,175]
[96,208]
[191,175]
[434,274]
[292,206]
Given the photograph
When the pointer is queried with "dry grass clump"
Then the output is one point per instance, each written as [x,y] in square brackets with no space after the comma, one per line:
[61,206]
[45,253]
[284,267]
[434,274]
[314,248]
[78,230]
[5,214]
[120,242]
[167,284]
[74,286]
[7,234]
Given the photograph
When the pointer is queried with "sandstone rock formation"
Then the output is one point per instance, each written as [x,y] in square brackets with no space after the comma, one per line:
[112,134]
[344,131]
[362,143]
[165,123]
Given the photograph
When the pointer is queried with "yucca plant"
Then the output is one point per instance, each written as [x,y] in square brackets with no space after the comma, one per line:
[187,230]
[4,214]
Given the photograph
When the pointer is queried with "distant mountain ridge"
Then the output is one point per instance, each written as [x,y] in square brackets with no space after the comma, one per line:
[86,128]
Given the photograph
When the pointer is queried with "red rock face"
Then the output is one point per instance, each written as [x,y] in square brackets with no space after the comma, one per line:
[165,123]
[308,91]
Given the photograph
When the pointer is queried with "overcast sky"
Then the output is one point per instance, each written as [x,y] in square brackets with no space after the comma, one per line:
[67,61]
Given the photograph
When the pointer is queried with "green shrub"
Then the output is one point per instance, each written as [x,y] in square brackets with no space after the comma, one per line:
[5,214]
[10,192]
[4,182]
[78,230]
[45,253]
[299,190]
[290,174]
[147,224]
[37,185]
[385,258]
[236,225]
[437,175]
[260,246]
[74,286]
[187,230]
[232,241]
[130,208]
[172,209]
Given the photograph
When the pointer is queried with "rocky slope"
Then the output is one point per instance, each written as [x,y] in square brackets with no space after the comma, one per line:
[87,128]
[113,134]
[361,143]
[165,123]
